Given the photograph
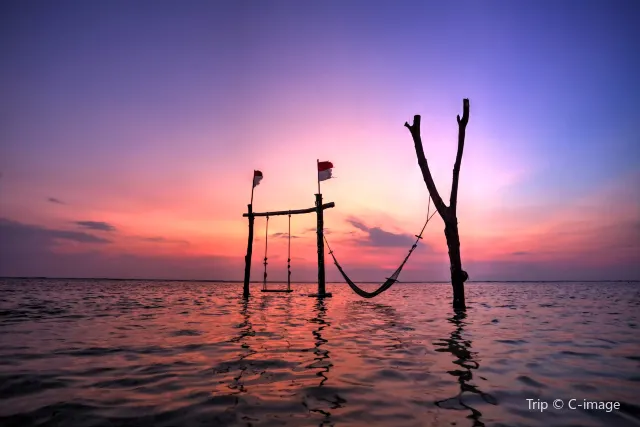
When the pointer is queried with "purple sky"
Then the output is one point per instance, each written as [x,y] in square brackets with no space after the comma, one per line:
[129,132]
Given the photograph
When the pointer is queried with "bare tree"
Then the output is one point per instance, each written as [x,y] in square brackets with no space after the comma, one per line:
[448,213]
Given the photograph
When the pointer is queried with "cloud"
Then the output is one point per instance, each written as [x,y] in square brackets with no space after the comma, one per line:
[313,230]
[284,236]
[54,200]
[520,253]
[17,236]
[96,225]
[357,224]
[28,250]
[376,236]
[160,239]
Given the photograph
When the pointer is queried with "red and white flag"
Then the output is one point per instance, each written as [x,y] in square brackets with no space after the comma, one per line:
[324,170]
[257,177]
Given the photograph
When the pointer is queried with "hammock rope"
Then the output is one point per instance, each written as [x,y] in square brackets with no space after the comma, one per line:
[390,280]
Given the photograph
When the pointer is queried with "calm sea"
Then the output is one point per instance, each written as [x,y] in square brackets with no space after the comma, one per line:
[140,353]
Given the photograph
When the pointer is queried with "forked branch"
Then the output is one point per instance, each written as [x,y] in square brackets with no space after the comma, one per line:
[462,127]
[424,167]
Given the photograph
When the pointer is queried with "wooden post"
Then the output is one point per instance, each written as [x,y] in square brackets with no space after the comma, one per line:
[247,258]
[291,212]
[320,233]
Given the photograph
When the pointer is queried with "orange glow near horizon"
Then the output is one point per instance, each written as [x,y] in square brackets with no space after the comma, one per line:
[564,233]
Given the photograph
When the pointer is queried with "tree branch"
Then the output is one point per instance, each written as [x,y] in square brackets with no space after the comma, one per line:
[424,167]
[462,127]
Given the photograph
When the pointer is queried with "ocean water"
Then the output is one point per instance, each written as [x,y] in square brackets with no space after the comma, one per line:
[140,353]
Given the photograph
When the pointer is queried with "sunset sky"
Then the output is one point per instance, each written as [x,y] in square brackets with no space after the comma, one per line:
[129,132]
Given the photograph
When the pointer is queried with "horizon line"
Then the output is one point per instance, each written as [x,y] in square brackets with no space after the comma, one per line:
[309,282]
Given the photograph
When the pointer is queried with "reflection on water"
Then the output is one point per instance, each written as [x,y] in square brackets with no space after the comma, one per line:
[106,353]
[322,359]
[387,320]
[464,357]
[245,330]
[322,364]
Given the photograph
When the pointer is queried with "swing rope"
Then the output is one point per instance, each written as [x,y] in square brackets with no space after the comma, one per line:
[266,239]
[390,280]
[289,257]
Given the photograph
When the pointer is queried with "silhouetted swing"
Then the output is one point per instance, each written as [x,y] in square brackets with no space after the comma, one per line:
[264,281]
[390,280]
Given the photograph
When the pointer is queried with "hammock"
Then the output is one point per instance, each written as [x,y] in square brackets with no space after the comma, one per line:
[390,280]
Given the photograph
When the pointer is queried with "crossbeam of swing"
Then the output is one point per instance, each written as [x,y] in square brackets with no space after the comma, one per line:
[294,212]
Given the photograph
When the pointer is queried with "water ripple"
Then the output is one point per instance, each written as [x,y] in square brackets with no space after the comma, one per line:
[113,353]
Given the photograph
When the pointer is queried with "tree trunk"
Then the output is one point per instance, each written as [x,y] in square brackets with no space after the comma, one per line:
[458,275]
[448,213]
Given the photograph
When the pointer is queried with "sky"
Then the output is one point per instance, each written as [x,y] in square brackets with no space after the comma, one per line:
[129,132]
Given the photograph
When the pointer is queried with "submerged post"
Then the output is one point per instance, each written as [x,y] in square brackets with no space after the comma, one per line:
[247,258]
[320,233]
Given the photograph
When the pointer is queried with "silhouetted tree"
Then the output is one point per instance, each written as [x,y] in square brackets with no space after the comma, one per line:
[448,213]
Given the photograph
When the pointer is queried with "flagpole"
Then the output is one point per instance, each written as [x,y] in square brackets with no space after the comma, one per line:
[318,173]
[252,186]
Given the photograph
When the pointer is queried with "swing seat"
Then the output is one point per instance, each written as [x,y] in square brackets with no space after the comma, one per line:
[276,290]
